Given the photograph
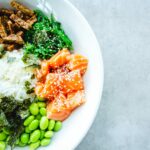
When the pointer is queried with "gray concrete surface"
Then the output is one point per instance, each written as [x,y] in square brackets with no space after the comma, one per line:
[123,30]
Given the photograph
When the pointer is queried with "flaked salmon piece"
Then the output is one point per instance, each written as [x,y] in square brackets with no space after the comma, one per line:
[48,89]
[51,85]
[64,83]
[61,107]
[59,103]
[78,62]
[76,99]
[71,82]
[41,74]
[61,70]
[59,59]
[45,67]
[39,89]
[61,116]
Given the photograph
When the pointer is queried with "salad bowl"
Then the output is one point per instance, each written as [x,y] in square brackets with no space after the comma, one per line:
[84,42]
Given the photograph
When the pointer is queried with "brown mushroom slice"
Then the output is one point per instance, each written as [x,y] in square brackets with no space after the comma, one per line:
[2,29]
[20,22]
[6,22]
[25,17]
[4,11]
[22,8]
[13,38]
[19,33]
[20,14]
[10,47]
[1,41]
[10,26]
[32,20]
[16,27]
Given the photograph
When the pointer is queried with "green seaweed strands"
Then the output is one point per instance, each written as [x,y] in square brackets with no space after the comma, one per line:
[46,37]
[12,115]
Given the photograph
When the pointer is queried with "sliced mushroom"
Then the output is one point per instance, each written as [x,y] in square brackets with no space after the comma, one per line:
[6,12]
[20,22]
[13,38]
[32,20]
[22,8]
[3,32]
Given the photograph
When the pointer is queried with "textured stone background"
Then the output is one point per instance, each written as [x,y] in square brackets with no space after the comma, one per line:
[123,31]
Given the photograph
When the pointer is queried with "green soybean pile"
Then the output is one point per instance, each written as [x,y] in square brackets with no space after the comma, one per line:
[38,129]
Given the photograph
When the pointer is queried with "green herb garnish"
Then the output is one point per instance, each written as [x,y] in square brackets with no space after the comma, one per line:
[28,87]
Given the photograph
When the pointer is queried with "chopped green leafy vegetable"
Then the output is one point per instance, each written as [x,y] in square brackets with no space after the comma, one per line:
[2,51]
[12,115]
[28,87]
[30,59]
[46,37]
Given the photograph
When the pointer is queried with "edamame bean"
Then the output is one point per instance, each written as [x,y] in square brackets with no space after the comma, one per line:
[24,138]
[17,142]
[2,145]
[3,136]
[1,47]
[38,117]
[21,144]
[49,134]
[27,130]
[8,138]
[42,135]
[58,126]
[29,142]
[34,125]
[43,111]
[51,124]
[40,98]
[41,104]
[34,109]
[34,146]
[43,123]
[28,120]
[45,142]
[35,136]
[6,131]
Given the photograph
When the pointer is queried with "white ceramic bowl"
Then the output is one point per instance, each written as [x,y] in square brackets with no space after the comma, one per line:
[84,40]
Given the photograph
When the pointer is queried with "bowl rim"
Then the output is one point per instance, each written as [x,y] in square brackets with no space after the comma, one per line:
[100,72]
[101,79]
